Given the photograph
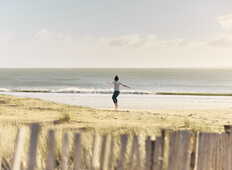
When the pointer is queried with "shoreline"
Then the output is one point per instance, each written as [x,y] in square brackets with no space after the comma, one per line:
[134,102]
[110,91]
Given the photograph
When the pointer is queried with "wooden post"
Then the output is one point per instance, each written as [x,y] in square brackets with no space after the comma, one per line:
[121,161]
[35,128]
[77,152]
[105,154]
[179,147]
[166,147]
[22,167]
[51,145]
[96,152]
[227,146]
[65,152]
[102,152]
[227,136]
[194,151]
[215,151]
[158,149]
[206,151]
[135,154]
[111,157]
[228,129]
[148,149]
[19,149]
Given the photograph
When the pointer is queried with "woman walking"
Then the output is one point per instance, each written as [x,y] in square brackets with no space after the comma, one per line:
[116,93]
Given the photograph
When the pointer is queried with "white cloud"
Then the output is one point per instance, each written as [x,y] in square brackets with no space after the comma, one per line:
[222,39]
[224,42]
[45,35]
[135,40]
[225,22]
[54,49]
[143,41]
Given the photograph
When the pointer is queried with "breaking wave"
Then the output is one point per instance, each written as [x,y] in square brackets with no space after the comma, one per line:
[77,90]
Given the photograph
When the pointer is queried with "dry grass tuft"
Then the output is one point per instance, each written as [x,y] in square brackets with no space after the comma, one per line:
[66,118]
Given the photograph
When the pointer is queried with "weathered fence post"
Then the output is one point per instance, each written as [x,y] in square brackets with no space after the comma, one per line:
[194,151]
[228,129]
[166,140]
[18,149]
[227,142]
[148,157]
[158,149]
[122,154]
[102,151]
[65,151]
[96,152]
[180,150]
[111,158]
[22,166]
[207,144]
[35,128]
[135,154]
[51,144]
[77,152]
[105,154]
[215,150]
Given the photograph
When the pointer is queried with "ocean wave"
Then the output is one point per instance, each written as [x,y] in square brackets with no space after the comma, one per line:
[4,90]
[74,90]
[77,90]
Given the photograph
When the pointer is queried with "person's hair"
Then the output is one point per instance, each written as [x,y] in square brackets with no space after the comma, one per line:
[116,78]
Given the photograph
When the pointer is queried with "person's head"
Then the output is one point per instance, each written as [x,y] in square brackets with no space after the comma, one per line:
[116,78]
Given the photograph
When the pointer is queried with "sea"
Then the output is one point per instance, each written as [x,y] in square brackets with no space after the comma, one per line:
[92,87]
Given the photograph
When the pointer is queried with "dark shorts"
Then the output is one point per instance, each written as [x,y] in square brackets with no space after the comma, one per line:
[115,95]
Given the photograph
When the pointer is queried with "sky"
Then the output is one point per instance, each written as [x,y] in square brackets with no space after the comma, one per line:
[115,33]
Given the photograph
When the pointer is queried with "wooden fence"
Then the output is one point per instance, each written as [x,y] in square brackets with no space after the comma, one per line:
[173,150]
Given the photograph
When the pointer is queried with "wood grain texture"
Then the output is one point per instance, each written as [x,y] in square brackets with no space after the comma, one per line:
[51,146]
[35,128]
[179,156]
[20,139]
[77,151]
[122,154]
[157,160]
[65,152]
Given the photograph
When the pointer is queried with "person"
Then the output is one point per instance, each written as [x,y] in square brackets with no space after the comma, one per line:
[116,93]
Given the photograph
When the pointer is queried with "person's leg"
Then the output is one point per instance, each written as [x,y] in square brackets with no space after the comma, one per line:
[114,97]
[116,100]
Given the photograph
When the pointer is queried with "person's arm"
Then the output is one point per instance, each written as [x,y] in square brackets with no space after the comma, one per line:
[125,85]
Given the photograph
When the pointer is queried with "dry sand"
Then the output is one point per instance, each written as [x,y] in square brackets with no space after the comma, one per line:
[18,111]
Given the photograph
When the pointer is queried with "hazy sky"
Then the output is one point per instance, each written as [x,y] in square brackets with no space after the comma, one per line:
[116,33]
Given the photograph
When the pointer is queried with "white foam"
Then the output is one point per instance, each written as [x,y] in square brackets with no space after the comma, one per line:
[77,90]
[4,90]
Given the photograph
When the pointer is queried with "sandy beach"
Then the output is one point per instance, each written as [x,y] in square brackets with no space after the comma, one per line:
[18,111]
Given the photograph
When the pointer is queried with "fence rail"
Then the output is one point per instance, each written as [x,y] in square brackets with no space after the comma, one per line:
[173,150]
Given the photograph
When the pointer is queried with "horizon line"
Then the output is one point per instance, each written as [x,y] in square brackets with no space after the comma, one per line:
[116,67]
